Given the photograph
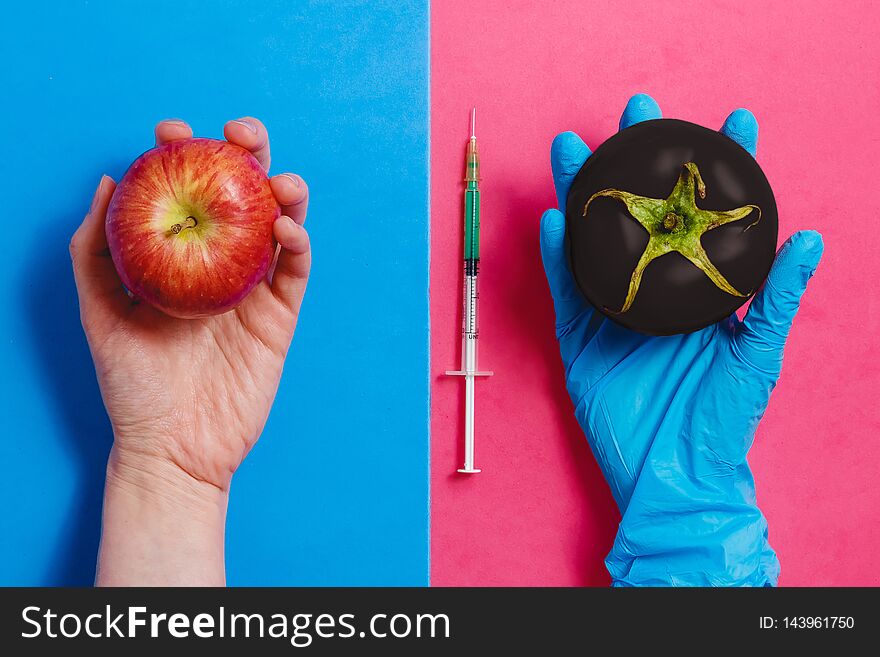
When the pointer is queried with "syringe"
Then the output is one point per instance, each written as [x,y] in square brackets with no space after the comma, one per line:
[470,333]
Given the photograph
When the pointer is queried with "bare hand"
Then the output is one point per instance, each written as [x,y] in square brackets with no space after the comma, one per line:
[193,394]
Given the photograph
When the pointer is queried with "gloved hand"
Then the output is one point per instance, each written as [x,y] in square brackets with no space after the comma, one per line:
[671,419]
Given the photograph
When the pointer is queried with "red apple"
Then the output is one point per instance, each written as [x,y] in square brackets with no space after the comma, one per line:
[190,226]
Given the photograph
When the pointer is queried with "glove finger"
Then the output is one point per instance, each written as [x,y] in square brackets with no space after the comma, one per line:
[567,155]
[567,299]
[767,324]
[742,127]
[640,107]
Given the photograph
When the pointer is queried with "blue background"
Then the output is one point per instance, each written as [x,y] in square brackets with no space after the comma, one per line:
[336,491]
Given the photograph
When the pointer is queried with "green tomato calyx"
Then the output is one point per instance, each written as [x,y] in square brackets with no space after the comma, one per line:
[677,224]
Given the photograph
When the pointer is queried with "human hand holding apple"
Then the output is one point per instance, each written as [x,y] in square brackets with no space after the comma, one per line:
[187,398]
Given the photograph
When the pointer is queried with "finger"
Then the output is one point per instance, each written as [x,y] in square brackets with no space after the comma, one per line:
[292,268]
[742,127]
[567,299]
[292,194]
[93,268]
[768,321]
[567,155]
[250,133]
[172,130]
[640,107]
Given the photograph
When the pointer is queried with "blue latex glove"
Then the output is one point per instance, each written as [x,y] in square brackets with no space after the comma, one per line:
[670,419]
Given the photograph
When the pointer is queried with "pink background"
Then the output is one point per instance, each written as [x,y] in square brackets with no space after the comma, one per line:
[540,513]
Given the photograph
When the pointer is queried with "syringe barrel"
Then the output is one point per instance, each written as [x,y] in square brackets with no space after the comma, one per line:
[471,258]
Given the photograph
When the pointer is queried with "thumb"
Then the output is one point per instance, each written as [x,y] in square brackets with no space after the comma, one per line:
[567,155]
[566,297]
[766,326]
[97,282]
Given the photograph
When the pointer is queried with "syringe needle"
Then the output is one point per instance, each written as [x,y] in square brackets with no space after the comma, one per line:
[473,122]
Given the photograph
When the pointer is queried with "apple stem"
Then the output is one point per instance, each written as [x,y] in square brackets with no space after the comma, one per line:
[189,222]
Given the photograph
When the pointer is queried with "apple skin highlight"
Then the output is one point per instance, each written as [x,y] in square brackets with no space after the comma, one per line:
[190,227]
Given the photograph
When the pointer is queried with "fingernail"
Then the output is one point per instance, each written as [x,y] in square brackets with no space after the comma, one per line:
[174,121]
[247,124]
[295,178]
[97,194]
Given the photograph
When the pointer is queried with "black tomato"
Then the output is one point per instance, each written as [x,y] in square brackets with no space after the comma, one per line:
[670,227]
